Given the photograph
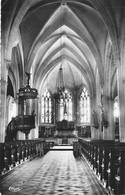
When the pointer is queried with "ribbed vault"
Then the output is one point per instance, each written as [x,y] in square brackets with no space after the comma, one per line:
[68,33]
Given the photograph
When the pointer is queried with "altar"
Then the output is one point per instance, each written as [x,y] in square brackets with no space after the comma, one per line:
[65,132]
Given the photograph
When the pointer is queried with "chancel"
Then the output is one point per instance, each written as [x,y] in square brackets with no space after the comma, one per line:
[62,97]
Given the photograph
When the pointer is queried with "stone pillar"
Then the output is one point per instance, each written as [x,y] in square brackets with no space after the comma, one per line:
[77,108]
[39,111]
[2,109]
[111,120]
[20,106]
[121,96]
[3,93]
[95,132]
[105,113]
[120,64]
[54,111]
[34,133]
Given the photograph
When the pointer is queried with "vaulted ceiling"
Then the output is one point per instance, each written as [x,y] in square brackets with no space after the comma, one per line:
[67,33]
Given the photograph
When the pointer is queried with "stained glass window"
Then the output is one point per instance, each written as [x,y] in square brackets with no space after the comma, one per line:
[116,108]
[65,106]
[46,107]
[84,107]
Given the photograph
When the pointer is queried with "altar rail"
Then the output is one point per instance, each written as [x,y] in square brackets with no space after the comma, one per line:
[14,153]
[107,159]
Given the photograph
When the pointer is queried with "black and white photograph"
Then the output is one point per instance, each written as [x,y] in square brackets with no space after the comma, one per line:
[62,97]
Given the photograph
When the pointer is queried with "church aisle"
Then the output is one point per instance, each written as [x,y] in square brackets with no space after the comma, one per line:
[57,173]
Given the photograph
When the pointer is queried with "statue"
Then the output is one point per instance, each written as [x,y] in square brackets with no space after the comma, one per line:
[103,114]
[33,113]
[95,119]
[28,75]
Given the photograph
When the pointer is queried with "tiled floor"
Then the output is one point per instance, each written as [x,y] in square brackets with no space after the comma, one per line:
[57,173]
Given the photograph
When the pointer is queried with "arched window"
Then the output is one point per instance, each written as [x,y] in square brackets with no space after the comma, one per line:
[65,106]
[46,107]
[116,109]
[84,107]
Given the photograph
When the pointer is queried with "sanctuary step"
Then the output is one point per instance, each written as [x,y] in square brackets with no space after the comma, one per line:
[62,147]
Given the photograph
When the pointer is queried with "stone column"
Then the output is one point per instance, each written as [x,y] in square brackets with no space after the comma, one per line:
[2,109]
[20,135]
[3,93]
[109,132]
[36,130]
[39,111]
[121,95]
[111,119]
[95,132]
[20,106]
[77,108]
[54,111]
[105,116]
